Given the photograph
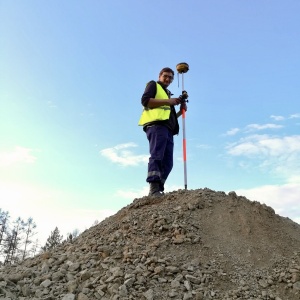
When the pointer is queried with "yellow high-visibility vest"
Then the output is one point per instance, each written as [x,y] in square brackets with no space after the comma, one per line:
[160,113]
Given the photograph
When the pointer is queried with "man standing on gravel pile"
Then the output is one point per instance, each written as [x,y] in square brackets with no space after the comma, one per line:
[159,121]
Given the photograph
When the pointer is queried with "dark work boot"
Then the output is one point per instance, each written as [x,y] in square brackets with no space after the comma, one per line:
[154,190]
[161,188]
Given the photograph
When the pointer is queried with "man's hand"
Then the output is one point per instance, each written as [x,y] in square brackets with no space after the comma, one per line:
[174,101]
[183,106]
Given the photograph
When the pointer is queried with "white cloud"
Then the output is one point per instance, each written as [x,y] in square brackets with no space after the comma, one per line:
[279,155]
[284,199]
[257,127]
[18,155]
[232,131]
[294,116]
[277,118]
[122,156]
[265,145]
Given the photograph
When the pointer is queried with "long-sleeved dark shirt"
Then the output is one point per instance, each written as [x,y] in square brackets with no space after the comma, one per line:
[150,92]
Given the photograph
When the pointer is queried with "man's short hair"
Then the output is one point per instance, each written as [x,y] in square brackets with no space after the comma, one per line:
[169,70]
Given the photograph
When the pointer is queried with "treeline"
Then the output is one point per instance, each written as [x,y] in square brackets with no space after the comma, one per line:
[17,239]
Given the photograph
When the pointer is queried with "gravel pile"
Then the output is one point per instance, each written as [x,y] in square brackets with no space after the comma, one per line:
[195,244]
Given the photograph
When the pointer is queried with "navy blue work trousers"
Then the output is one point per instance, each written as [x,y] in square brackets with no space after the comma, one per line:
[161,147]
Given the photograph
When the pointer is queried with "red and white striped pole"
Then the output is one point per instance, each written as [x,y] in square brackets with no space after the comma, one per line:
[184,148]
[183,68]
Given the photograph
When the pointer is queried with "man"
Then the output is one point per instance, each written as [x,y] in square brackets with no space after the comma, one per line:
[159,121]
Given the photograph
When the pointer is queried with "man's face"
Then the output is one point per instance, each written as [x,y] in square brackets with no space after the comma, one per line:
[166,78]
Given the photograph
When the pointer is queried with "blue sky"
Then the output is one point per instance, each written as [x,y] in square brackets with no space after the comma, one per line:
[71,77]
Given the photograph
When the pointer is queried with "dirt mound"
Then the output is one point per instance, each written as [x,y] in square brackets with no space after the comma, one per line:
[196,244]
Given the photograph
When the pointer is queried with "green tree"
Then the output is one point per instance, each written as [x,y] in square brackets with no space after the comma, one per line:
[13,242]
[16,238]
[4,217]
[53,240]
[73,235]
[29,227]
[35,246]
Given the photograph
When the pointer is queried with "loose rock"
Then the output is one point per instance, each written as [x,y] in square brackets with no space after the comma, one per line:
[198,244]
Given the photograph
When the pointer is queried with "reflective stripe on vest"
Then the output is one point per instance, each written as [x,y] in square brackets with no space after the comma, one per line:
[160,113]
